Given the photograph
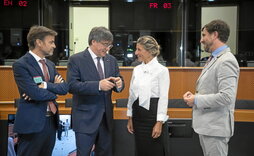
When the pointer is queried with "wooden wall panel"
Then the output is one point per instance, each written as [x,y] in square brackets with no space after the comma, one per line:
[246,84]
[182,79]
[8,88]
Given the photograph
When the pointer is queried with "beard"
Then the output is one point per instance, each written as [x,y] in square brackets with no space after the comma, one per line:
[49,53]
[207,47]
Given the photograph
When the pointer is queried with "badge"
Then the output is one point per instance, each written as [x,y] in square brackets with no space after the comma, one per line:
[37,79]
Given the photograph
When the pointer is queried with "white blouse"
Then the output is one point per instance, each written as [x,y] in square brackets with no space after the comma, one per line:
[150,80]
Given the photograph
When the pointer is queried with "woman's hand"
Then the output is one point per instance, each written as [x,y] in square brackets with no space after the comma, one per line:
[157,129]
[130,125]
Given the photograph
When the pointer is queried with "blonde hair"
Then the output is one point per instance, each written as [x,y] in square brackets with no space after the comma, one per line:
[150,45]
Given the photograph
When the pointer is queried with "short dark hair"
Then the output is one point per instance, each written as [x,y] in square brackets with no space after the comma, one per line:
[100,34]
[38,32]
[221,27]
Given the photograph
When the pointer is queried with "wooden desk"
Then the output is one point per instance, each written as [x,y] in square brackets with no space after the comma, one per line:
[182,79]
[243,115]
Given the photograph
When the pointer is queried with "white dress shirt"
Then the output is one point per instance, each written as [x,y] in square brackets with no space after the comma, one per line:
[95,60]
[150,80]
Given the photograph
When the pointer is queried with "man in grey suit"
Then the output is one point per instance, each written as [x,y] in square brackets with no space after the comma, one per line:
[214,101]
[92,75]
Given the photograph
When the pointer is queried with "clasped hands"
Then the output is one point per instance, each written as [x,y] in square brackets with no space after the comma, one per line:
[109,83]
[58,79]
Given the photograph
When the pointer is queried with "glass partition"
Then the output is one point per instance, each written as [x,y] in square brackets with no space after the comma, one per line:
[175,24]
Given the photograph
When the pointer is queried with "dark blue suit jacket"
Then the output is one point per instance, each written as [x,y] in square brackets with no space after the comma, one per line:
[89,104]
[31,115]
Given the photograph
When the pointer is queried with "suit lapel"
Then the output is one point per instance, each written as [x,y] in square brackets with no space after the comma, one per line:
[51,71]
[106,66]
[31,60]
[207,67]
[89,63]
[213,61]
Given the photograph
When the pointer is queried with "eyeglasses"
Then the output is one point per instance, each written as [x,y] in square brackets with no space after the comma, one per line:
[107,45]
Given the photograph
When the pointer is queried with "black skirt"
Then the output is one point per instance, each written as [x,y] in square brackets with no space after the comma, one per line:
[143,123]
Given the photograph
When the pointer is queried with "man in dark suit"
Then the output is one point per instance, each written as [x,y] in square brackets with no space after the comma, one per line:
[38,84]
[92,75]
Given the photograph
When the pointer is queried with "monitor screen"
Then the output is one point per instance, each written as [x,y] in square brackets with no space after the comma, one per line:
[65,144]
[65,138]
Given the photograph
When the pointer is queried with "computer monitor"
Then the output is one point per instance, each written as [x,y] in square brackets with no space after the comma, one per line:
[65,144]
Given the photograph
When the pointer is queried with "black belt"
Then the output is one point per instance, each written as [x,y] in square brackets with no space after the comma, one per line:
[49,113]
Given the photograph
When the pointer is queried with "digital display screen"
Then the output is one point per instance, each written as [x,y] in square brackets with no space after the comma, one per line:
[143,14]
[12,3]
[161,4]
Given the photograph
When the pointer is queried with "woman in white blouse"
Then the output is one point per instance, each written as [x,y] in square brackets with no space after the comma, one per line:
[148,101]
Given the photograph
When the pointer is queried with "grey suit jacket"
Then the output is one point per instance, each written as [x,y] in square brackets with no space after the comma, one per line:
[216,90]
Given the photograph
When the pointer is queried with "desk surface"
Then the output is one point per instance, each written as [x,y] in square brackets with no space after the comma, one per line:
[241,115]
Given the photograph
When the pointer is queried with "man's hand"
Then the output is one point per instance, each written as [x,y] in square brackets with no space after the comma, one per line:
[26,97]
[106,84]
[188,97]
[117,80]
[41,85]
[58,79]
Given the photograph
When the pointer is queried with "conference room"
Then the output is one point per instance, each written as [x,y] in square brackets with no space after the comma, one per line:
[175,24]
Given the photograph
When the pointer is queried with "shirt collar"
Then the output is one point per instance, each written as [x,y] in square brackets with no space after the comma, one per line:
[37,58]
[217,51]
[94,57]
[153,61]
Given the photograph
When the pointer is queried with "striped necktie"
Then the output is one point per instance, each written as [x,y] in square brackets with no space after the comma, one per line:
[51,105]
[99,68]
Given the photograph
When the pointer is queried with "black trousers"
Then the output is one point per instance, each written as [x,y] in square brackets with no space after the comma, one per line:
[38,144]
[143,123]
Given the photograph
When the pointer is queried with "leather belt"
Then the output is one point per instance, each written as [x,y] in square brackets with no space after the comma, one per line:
[49,113]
